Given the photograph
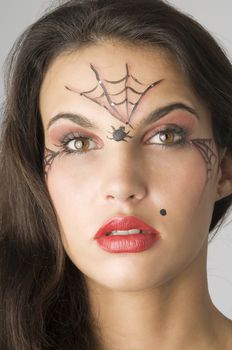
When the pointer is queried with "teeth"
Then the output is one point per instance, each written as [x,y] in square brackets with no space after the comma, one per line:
[123,233]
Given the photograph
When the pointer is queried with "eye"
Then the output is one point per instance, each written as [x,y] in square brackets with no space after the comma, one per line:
[80,144]
[170,136]
[77,144]
[167,136]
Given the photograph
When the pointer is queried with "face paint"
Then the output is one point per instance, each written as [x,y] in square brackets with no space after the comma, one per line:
[48,159]
[163,212]
[205,148]
[71,143]
[105,98]
[119,134]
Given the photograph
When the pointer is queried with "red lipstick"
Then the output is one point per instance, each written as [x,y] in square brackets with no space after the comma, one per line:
[126,235]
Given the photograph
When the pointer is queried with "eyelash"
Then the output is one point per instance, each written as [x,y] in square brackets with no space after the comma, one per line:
[72,137]
[180,131]
[183,132]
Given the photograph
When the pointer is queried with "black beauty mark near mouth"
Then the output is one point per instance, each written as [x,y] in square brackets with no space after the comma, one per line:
[105,99]
[163,212]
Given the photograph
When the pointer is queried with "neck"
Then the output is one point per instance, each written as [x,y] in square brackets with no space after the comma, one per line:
[178,314]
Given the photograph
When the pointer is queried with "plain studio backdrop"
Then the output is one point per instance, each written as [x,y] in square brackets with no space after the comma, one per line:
[215,16]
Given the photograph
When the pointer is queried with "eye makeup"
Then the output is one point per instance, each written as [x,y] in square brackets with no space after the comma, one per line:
[63,134]
[65,127]
[79,143]
[68,140]
[203,145]
[76,143]
[177,117]
[179,136]
[174,130]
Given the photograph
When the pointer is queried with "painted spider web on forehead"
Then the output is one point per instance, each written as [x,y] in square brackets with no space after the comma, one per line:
[105,99]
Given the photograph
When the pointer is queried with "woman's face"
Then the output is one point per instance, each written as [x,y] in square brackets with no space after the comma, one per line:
[153,151]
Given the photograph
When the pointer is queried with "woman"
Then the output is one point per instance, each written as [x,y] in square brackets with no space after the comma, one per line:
[115,169]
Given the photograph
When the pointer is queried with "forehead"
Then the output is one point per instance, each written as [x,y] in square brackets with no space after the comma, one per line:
[110,58]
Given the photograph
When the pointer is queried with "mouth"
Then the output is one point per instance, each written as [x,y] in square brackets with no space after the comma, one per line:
[126,235]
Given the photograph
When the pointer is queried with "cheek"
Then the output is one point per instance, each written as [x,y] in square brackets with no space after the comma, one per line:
[180,185]
[68,191]
[72,185]
[175,180]
[178,174]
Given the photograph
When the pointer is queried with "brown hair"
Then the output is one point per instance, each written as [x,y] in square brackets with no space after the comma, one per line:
[43,297]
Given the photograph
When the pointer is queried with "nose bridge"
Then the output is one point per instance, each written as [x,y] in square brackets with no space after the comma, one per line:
[123,175]
[124,158]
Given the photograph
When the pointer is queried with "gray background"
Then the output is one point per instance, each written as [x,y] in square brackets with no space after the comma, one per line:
[15,15]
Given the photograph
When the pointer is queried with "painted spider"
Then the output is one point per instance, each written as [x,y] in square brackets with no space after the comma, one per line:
[119,134]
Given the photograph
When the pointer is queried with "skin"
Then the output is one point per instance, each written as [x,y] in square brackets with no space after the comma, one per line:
[157,298]
[110,103]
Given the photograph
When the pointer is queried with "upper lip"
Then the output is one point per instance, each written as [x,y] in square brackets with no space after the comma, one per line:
[123,224]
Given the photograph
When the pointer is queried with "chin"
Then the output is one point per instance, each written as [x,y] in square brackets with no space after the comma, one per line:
[125,282]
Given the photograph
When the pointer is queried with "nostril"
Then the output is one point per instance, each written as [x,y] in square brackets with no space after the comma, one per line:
[132,196]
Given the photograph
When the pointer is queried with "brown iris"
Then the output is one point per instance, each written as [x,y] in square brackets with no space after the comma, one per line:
[82,144]
[167,136]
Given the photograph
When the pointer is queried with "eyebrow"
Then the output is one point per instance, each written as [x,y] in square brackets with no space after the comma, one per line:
[151,118]
[163,111]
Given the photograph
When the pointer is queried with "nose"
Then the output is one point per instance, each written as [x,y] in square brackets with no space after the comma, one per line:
[124,179]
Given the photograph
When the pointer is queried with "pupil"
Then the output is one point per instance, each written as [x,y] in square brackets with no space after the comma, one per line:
[78,144]
[166,137]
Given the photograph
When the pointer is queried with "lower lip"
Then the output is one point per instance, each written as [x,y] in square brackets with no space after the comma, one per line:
[134,243]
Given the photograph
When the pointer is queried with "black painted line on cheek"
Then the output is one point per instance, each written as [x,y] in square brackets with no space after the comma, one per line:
[48,159]
[204,146]
[209,156]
